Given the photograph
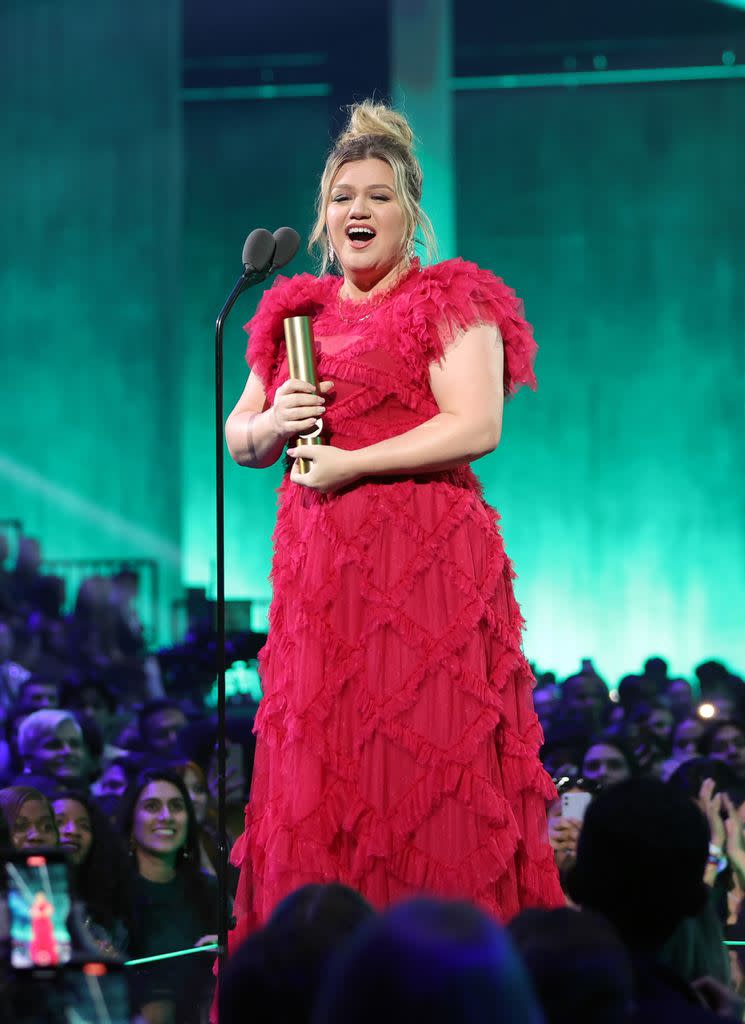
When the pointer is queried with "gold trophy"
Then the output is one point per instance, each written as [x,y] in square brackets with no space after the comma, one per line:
[301,355]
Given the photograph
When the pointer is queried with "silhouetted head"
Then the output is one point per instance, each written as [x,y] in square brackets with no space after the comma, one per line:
[278,970]
[640,861]
[580,969]
[429,960]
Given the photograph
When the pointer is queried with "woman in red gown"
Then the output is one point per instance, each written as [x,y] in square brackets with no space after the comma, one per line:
[397,745]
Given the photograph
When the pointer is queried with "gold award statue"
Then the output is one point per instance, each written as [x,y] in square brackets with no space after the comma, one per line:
[301,356]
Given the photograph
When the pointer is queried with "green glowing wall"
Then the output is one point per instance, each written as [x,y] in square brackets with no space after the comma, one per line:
[247,165]
[90,207]
[619,215]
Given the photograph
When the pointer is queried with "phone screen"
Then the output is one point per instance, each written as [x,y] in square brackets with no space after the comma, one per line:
[96,994]
[38,905]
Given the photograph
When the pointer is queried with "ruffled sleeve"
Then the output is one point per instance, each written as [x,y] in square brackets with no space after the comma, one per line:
[452,296]
[288,296]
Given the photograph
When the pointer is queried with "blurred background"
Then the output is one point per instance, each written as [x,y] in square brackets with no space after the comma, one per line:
[591,154]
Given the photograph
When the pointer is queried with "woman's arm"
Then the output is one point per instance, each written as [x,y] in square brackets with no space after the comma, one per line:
[256,435]
[468,386]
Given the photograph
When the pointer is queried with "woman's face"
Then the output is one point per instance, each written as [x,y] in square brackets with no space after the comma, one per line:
[34,826]
[74,827]
[605,765]
[160,819]
[198,794]
[363,197]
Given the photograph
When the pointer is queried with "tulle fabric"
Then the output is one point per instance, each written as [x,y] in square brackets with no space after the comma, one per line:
[397,745]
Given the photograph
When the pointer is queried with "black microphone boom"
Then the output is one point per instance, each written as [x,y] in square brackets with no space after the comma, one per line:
[263,253]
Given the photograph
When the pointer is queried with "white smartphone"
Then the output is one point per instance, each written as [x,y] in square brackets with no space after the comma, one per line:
[574,805]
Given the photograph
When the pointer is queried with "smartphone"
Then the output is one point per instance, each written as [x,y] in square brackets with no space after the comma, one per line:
[574,805]
[96,993]
[38,890]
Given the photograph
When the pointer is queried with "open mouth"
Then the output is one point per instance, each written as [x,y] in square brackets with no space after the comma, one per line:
[360,237]
[167,832]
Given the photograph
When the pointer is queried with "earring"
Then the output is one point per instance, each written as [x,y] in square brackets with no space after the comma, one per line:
[132,847]
[185,855]
[411,251]
[332,254]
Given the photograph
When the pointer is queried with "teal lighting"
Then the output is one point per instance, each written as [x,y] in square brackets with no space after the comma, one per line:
[209,948]
[256,92]
[146,542]
[626,76]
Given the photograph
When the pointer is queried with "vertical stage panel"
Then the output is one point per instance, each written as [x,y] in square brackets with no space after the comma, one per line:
[90,203]
[421,66]
[618,214]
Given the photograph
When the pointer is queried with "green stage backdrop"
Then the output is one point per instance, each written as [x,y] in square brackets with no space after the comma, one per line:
[617,213]
[90,208]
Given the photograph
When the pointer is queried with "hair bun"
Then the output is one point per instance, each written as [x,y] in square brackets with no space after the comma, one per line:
[368,118]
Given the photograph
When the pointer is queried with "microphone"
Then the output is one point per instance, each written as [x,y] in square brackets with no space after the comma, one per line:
[258,252]
[287,244]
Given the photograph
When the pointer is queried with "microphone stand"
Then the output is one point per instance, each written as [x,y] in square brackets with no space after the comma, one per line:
[262,255]
[246,280]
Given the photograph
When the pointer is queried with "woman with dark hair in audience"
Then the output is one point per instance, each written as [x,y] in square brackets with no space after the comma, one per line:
[204,812]
[29,817]
[100,871]
[174,905]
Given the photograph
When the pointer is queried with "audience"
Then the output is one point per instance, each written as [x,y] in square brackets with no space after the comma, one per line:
[100,871]
[50,745]
[29,817]
[652,843]
[580,969]
[428,960]
[279,970]
[173,903]
[127,754]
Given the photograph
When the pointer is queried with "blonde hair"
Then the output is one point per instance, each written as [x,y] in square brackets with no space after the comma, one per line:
[374,131]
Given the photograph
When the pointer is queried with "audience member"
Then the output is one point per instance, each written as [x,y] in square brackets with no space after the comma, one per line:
[608,760]
[428,960]
[204,813]
[686,737]
[12,673]
[29,817]
[36,693]
[198,743]
[99,863]
[173,904]
[680,698]
[160,723]
[585,701]
[580,969]
[652,842]
[724,740]
[50,744]
[278,970]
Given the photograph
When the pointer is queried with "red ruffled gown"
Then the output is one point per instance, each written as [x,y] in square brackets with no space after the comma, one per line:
[397,745]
